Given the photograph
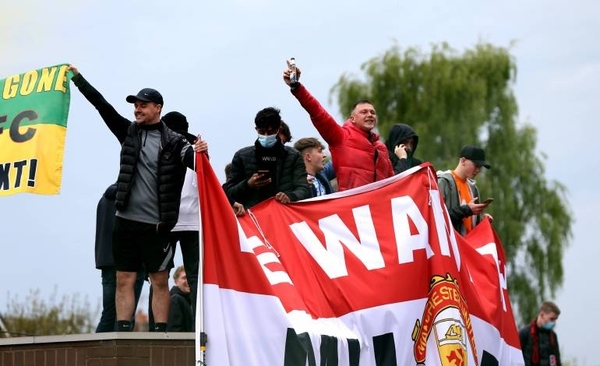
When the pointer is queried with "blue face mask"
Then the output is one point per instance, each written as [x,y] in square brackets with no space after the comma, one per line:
[268,140]
[549,325]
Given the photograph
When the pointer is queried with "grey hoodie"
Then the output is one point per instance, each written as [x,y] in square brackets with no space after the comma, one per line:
[449,192]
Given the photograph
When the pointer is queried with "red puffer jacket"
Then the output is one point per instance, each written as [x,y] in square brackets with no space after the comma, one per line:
[358,157]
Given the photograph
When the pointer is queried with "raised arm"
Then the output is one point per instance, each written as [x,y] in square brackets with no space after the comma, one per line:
[117,124]
[328,128]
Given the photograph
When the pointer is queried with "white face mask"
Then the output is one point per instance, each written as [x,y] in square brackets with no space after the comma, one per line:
[267,141]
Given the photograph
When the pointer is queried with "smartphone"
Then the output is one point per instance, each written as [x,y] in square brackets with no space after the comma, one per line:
[488,201]
[293,74]
[265,173]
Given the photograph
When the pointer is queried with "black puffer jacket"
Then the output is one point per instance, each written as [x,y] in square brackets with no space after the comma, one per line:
[290,178]
[401,132]
[171,171]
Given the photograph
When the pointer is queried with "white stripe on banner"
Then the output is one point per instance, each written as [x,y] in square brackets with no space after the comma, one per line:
[251,329]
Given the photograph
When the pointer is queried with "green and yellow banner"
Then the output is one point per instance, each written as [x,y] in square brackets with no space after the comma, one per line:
[34,107]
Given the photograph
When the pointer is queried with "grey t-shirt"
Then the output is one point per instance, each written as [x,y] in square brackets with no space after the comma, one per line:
[143,198]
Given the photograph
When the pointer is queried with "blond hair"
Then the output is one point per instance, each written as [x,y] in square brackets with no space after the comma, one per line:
[178,272]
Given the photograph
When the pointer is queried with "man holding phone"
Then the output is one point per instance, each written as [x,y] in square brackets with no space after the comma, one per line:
[267,168]
[460,192]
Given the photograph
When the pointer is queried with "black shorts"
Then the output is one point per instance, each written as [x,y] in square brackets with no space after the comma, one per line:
[137,246]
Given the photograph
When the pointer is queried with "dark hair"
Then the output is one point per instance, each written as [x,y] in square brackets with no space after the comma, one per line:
[268,117]
[360,101]
[285,131]
[307,143]
[227,171]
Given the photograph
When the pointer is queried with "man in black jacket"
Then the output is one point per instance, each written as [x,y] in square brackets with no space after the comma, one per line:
[539,342]
[152,170]
[105,218]
[267,168]
[181,318]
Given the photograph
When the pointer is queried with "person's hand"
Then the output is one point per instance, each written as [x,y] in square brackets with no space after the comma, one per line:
[201,146]
[400,151]
[286,74]
[238,209]
[282,197]
[310,179]
[73,69]
[489,217]
[258,181]
[477,208]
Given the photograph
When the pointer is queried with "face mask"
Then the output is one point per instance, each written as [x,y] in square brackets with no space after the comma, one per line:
[268,140]
[549,325]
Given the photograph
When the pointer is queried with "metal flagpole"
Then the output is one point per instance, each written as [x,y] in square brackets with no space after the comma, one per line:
[200,334]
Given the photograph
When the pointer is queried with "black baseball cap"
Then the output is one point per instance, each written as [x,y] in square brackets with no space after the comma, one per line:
[178,123]
[146,95]
[475,154]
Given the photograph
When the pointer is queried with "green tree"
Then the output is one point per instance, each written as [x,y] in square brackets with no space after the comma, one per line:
[37,316]
[454,99]
[572,361]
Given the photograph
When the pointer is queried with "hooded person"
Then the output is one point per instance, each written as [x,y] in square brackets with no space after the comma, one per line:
[401,145]
[178,123]
[186,230]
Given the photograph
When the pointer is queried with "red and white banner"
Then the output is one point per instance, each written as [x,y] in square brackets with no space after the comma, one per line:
[370,276]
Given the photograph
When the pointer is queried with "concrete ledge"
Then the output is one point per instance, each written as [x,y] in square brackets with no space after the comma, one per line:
[95,337]
[100,349]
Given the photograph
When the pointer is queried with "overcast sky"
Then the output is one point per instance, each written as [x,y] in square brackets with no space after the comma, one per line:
[220,62]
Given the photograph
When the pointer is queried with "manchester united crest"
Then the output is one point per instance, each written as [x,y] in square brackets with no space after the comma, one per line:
[446,316]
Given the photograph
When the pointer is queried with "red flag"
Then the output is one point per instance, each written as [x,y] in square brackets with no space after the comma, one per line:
[363,275]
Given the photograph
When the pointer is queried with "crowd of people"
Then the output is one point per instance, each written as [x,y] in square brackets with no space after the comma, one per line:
[154,203]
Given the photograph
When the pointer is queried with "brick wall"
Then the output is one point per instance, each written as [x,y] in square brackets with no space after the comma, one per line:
[100,349]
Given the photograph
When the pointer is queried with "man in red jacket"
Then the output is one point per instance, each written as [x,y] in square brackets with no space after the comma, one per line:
[358,156]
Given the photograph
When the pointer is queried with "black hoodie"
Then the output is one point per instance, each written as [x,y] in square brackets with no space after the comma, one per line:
[399,133]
